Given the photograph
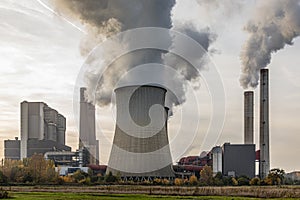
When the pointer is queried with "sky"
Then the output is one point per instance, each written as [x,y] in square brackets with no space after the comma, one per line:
[40,60]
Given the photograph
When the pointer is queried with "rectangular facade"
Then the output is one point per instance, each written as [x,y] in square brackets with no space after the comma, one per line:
[12,149]
[40,123]
[34,146]
[43,146]
[239,159]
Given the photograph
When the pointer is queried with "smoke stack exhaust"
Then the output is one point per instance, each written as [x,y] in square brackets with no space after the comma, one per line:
[248,117]
[264,163]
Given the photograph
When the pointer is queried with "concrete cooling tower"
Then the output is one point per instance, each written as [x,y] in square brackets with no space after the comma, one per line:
[140,146]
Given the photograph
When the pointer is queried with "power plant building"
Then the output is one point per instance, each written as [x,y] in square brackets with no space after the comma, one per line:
[42,130]
[12,149]
[141,146]
[239,159]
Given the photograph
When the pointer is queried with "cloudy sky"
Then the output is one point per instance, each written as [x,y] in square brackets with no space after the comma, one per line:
[41,60]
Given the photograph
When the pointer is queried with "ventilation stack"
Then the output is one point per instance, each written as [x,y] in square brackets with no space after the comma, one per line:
[264,163]
[140,147]
[87,128]
[248,117]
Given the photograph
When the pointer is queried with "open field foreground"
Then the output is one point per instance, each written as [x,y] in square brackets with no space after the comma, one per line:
[150,192]
[75,196]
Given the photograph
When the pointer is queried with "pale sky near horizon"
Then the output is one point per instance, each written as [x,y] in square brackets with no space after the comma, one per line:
[40,61]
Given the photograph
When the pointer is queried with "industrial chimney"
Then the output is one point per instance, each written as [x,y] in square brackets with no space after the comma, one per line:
[248,117]
[264,163]
[87,129]
[140,146]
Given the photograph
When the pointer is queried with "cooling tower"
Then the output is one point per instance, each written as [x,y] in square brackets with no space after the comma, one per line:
[140,146]
[248,117]
[264,164]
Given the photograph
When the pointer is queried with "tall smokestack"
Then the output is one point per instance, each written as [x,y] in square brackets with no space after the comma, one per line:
[87,128]
[248,117]
[264,163]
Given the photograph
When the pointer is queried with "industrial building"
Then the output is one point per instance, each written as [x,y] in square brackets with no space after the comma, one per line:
[42,130]
[87,128]
[78,158]
[229,159]
[88,150]
[12,149]
[140,145]
[238,160]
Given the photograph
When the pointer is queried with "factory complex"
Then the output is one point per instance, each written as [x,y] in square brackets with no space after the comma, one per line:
[140,149]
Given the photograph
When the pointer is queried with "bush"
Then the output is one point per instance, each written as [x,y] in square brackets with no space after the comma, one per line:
[110,178]
[79,176]
[59,180]
[146,182]
[178,181]
[193,180]
[206,176]
[157,181]
[218,182]
[243,180]
[218,179]
[234,182]
[165,182]
[255,181]
[67,179]
[275,177]
[88,181]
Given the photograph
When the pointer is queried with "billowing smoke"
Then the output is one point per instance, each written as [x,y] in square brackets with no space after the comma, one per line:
[104,18]
[275,25]
[188,73]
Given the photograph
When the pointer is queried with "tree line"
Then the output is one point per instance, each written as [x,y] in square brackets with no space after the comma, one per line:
[37,170]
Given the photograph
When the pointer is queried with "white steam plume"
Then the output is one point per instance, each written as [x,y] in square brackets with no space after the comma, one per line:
[275,25]
[104,18]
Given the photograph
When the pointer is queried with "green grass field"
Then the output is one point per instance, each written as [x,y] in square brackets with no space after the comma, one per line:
[75,196]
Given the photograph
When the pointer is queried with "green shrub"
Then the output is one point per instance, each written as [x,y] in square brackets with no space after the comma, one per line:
[110,178]
[243,180]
